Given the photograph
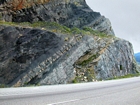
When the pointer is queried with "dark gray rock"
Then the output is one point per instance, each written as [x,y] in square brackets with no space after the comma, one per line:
[63,68]
[35,56]
[71,13]
[21,51]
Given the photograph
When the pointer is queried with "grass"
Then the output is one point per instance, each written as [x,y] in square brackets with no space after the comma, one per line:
[126,76]
[57,28]
[97,33]
[84,70]
[87,61]
[75,80]
[3,86]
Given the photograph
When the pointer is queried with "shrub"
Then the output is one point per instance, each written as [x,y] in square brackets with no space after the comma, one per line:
[2,86]
[75,30]
[55,27]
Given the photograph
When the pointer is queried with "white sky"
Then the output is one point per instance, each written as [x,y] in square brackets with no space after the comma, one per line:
[124,16]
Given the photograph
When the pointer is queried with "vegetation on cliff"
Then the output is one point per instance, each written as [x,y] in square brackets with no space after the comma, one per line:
[57,28]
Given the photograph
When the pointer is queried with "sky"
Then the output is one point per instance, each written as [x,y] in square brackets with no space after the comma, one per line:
[124,16]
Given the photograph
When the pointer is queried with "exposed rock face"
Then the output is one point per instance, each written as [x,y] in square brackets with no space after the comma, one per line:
[71,13]
[34,56]
[37,56]
[116,60]
[109,58]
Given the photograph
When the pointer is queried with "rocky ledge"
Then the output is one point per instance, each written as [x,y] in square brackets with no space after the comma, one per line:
[71,13]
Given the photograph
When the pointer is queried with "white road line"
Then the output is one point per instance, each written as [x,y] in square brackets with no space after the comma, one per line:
[87,97]
[21,94]
[64,102]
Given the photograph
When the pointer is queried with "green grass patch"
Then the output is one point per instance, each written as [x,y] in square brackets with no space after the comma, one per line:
[3,86]
[97,33]
[85,62]
[74,81]
[126,76]
[55,27]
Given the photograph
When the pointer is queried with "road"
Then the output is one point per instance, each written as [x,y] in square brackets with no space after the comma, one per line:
[113,92]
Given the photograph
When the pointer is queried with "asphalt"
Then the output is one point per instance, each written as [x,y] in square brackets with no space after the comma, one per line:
[113,92]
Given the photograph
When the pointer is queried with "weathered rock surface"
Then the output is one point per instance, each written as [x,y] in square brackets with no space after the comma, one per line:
[110,57]
[71,13]
[37,56]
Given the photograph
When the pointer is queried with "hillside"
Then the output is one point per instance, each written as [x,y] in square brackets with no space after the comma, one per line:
[137,56]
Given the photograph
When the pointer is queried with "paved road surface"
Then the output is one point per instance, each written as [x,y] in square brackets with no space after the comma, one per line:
[114,92]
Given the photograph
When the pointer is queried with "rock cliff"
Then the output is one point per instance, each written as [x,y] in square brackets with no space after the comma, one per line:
[46,53]
[71,13]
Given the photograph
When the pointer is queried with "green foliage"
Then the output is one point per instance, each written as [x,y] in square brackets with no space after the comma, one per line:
[85,62]
[0,17]
[55,27]
[75,30]
[90,74]
[130,75]
[2,86]
[26,83]
[66,29]
[137,71]
[75,80]
[37,84]
[88,29]
[126,76]
[93,32]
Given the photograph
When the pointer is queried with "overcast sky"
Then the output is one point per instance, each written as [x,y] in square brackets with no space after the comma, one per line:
[124,16]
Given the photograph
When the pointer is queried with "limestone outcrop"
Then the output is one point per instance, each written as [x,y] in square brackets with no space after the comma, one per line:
[35,49]
[35,56]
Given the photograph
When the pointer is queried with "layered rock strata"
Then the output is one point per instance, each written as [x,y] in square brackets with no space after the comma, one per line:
[37,56]
[110,58]
[71,13]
